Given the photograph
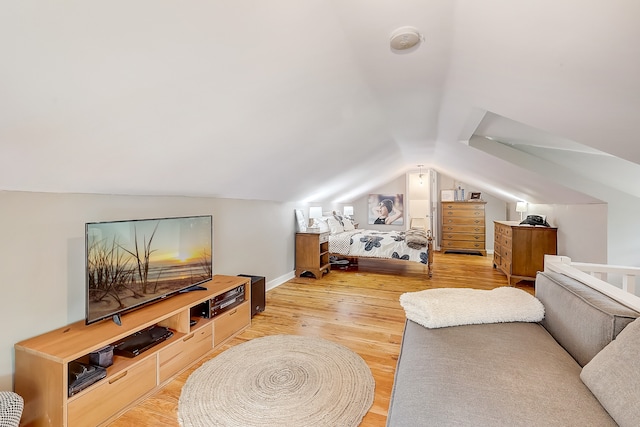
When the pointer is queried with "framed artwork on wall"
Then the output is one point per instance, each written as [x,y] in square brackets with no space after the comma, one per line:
[386,209]
[475,196]
[301,221]
[448,195]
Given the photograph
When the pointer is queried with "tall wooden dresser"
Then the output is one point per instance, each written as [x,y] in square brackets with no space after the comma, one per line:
[519,250]
[463,227]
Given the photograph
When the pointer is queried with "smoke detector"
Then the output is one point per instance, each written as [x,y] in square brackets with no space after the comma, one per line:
[405,38]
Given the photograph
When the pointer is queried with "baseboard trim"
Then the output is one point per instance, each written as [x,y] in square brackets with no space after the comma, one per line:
[272,284]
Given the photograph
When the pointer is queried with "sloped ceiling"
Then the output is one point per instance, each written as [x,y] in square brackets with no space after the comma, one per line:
[291,100]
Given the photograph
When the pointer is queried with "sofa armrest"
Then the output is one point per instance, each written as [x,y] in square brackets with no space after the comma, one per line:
[580,319]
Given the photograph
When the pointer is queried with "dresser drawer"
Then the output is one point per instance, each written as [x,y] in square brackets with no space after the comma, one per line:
[463,206]
[462,244]
[506,254]
[463,236]
[463,221]
[324,237]
[231,322]
[461,228]
[463,213]
[112,394]
[497,249]
[506,266]
[184,352]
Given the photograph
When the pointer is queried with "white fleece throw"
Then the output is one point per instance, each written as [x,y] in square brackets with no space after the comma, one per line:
[438,308]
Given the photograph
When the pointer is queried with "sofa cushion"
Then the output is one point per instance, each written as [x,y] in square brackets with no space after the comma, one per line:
[580,318]
[502,374]
[613,376]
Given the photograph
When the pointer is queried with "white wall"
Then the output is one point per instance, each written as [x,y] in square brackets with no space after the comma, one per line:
[361,207]
[42,251]
[582,229]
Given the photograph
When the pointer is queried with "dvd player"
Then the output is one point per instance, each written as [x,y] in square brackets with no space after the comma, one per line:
[141,341]
[82,376]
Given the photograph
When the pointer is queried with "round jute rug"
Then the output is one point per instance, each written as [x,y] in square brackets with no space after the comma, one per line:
[280,380]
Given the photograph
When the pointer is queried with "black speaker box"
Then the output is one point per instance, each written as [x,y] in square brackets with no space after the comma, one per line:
[258,298]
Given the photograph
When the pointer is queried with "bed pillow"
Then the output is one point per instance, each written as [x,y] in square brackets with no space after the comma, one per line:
[322,224]
[613,376]
[334,225]
[348,224]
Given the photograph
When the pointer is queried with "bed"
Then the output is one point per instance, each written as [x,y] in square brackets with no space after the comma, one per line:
[395,247]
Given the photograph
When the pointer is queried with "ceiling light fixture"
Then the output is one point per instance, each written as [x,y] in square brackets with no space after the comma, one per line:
[405,38]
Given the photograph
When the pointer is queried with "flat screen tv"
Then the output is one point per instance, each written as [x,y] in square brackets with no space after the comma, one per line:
[136,262]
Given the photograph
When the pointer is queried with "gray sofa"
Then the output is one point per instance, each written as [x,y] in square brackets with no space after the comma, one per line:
[522,374]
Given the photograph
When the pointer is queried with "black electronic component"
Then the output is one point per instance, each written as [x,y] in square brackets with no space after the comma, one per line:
[82,375]
[141,341]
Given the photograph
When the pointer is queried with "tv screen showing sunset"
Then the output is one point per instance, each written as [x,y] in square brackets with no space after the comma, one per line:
[130,263]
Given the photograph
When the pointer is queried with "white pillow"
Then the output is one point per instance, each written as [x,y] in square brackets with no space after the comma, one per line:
[334,225]
[322,224]
[348,224]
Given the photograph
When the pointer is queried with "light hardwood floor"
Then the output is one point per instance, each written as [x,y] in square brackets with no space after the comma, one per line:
[357,308]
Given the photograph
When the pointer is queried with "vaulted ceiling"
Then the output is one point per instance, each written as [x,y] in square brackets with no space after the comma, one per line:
[291,100]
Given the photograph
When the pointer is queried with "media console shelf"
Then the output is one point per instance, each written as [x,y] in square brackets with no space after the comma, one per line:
[42,361]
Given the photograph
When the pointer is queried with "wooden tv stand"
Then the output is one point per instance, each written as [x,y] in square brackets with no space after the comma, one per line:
[42,361]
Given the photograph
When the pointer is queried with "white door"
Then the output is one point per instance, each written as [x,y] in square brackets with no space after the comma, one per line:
[419,198]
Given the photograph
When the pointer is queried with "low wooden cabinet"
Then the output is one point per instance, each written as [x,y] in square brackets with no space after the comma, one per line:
[463,227]
[42,362]
[519,250]
[312,254]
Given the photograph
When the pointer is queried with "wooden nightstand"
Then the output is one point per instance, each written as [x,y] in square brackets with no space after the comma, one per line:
[312,254]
